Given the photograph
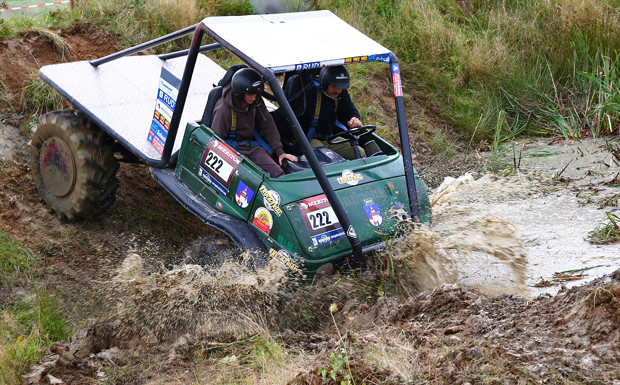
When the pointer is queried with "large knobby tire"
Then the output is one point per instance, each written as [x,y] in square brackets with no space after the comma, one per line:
[73,165]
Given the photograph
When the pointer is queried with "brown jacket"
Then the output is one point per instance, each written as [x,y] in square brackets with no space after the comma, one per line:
[255,117]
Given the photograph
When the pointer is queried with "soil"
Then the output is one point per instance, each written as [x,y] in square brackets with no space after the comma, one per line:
[472,300]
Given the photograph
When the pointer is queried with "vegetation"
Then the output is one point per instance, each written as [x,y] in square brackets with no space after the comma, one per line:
[30,324]
[532,67]
[607,232]
[490,71]
[38,97]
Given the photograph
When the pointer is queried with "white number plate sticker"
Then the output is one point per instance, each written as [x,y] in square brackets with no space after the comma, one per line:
[322,218]
[219,166]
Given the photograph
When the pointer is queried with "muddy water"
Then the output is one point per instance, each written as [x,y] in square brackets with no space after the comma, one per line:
[465,245]
[499,234]
[512,233]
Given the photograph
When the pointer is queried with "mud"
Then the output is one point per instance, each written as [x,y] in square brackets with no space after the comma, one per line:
[21,58]
[457,303]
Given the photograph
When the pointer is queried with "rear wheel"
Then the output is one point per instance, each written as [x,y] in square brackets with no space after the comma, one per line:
[73,165]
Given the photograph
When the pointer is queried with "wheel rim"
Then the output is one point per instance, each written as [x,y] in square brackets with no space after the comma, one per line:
[57,166]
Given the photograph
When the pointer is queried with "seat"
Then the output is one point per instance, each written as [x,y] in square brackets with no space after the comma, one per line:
[214,95]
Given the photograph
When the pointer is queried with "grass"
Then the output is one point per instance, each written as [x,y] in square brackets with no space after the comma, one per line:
[15,259]
[38,97]
[499,69]
[29,324]
[60,44]
[608,232]
[259,359]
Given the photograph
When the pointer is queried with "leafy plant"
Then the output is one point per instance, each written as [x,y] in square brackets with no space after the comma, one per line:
[338,358]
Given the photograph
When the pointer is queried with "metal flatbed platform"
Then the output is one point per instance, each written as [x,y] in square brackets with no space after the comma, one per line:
[120,95]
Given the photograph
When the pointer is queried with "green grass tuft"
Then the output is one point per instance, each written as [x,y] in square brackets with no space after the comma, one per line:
[38,96]
[496,70]
[607,232]
[15,259]
[29,324]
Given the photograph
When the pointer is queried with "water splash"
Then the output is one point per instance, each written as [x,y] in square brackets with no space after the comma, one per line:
[465,246]
[223,303]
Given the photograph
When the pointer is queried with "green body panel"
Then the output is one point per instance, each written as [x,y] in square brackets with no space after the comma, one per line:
[290,212]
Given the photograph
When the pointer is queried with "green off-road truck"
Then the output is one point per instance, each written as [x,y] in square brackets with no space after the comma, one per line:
[324,211]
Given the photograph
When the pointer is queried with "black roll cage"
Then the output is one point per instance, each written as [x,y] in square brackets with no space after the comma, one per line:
[168,159]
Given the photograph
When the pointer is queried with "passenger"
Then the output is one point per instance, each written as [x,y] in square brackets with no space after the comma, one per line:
[240,116]
[334,107]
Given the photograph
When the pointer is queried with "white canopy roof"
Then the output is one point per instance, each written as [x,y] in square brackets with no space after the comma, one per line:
[291,41]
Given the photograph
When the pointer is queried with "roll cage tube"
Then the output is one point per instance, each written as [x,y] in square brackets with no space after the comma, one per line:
[404,139]
[314,163]
[330,194]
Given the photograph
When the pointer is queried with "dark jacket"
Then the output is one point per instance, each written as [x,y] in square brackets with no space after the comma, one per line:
[254,117]
[343,109]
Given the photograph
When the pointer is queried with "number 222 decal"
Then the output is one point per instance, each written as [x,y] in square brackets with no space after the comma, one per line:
[219,162]
[320,219]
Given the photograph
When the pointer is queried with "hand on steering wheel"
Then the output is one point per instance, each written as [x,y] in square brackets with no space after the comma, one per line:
[353,133]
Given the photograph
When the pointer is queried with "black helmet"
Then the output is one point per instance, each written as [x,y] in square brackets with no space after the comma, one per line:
[337,76]
[246,81]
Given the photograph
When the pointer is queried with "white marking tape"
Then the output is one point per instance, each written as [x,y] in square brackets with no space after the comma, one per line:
[35,6]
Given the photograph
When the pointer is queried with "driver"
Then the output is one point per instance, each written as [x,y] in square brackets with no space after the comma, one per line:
[240,116]
[330,112]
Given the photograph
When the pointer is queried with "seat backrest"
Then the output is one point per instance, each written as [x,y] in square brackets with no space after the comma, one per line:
[292,86]
[214,95]
[229,74]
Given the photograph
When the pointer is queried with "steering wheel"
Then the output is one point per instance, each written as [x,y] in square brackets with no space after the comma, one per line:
[353,133]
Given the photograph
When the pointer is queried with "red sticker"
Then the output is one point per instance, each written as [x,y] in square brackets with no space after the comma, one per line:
[398,90]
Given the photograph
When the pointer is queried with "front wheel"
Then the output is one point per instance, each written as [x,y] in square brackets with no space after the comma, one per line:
[72,165]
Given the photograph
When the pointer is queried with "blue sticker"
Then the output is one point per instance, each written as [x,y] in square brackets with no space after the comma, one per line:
[244,195]
[381,58]
[307,66]
[213,182]
[374,214]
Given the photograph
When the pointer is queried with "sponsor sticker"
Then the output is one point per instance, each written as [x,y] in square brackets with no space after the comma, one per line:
[374,214]
[320,219]
[263,220]
[381,58]
[271,199]
[357,59]
[398,89]
[284,258]
[244,195]
[307,66]
[218,165]
[398,211]
[164,108]
[350,178]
